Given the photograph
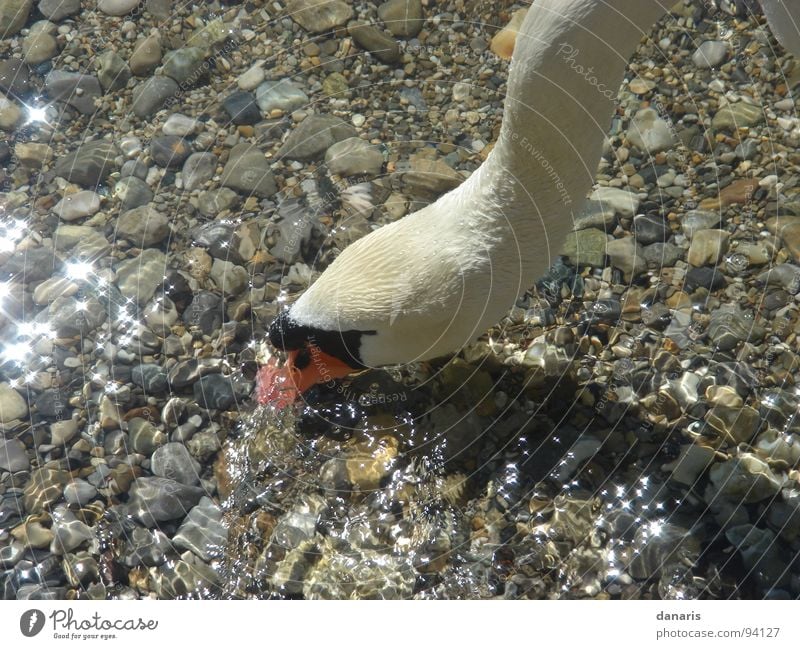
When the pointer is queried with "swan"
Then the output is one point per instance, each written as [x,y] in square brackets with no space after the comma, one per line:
[434,281]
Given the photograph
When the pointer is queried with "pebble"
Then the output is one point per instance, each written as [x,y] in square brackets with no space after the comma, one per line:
[117,7]
[172,460]
[738,115]
[143,226]
[650,229]
[169,151]
[313,136]
[184,65]
[202,532]
[10,114]
[198,169]
[153,499]
[12,405]
[14,77]
[132,192]
[75,89]
[649,132]
[252,78]
[383,46]
[242,108]
[113,72]
[627,255]
[181,125]
[215,201]
[315,17]
[710,54]
[13,16]
[230,279]
[54,287]
[57,10]
[89,165]
[151,95]
[13,456]
[586,247]
[79,493]
[403,18]
[146,55]
[206,311]
[696,220]
[354,156]
[248,171]
[61,432]
[214,392]
[139,277]
[145,437]
[39,47]
[33,154]
[708,247]
[68,532]
[77,206]
[622,202]
[280,95]
[151,377]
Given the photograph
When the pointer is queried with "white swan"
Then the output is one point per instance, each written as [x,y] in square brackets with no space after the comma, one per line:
[434,281]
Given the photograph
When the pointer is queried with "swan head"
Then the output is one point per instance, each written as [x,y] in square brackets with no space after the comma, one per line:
[315,355]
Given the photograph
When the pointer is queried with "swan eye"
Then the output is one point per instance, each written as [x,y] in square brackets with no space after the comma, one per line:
[302,359]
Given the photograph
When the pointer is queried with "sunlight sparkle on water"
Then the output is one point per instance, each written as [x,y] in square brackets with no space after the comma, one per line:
[16,352]
[36,114]
[78,269]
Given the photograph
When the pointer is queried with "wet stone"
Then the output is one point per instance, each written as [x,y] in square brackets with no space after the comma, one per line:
[313,136]
[586,247]
[354,156]
[151,377]
[173,461]
[214,201]
[214,392]
[710,54]
[143,226]
[280,95]
[89,165]
[152,500]
[661,255]
[138,278]
[13,456]
[383,46]
[242,108]
[145,437]
[133,193]
[202,532]
[649,132]
[146,547]
[184,65]
[113,72]
[57,10]
[44,488]
[198,168]
[152,94]
[74,88]
[79,493]
[404,18]
[247,171]
[170,151]
[709,278]
[650,229]
[14,77]
[69,532]
[206,311]
[14,15]
[12,404]
[317,17]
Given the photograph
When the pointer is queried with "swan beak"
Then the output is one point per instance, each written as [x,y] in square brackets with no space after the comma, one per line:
[323,368]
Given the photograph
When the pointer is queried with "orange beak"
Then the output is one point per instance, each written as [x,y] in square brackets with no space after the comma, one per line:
[323,368]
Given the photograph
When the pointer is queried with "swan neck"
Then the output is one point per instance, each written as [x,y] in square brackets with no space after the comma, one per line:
[569,61]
